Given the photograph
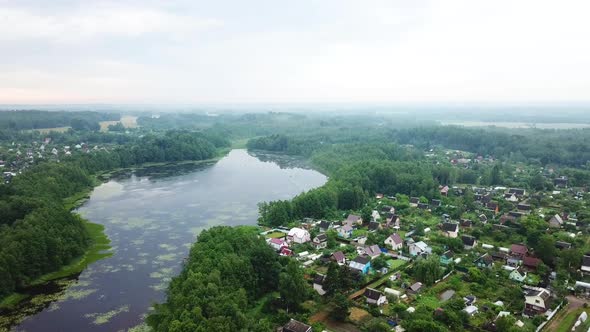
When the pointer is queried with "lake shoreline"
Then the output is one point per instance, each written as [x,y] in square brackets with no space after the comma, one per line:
[100,242]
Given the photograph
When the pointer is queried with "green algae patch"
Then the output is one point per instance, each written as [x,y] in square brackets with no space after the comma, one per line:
[103,318]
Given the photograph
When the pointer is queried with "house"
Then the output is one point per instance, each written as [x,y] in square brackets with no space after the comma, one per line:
[375,215]
[277,244]
[513,261]
[374,226]
[375,297]
[469,300]
[394,241]
[393,221]
[325,226]
[447,257]
[466,223]
[361,263]
[511,197]
[414,201]
[435,203]
[562,245]
[586,263]
[320,241]
[339,257]
[556,221]
[531,262]
[483,218]
[469,242]
[518,192]
[295,326]
[298,235]
[423,206]
[519,250]
[536,301]
[499,256]
[318,283]
[286,252]
[471,310]
[415,288]
[387,209]
[518,274]
[450,229]
[345,231]
[419,248]
[378,195]
[524,207]
[484,261]
[560,182]
[444,191]
[354,219]
[372,251]
[493,206]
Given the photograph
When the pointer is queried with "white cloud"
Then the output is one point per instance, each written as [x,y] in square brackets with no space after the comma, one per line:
[101,21]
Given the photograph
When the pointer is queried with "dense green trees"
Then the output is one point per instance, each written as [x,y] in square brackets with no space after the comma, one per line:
[19,120]
[228,273]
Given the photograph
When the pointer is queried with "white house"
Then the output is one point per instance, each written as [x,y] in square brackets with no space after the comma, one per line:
[320,241]
[536,301]
[450,229]
[375,297]
[345,231]
[518,274]
[318,283]
[419,248]
[298,235]
[277,244]
[394,241]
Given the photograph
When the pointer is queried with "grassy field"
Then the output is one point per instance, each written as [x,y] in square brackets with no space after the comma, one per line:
[100,243]
[275,235]
[48,130]
[128,121]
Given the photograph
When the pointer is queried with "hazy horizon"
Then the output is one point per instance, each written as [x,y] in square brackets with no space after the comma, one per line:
[233,52]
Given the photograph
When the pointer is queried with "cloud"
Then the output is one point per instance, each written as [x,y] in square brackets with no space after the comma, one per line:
[97,21]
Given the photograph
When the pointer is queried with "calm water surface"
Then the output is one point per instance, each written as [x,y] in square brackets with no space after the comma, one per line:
[152,218]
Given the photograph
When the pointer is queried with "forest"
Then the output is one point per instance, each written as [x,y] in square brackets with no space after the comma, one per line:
[232,281]
[23,120]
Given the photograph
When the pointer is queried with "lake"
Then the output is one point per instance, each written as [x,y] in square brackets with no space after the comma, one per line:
[152,217]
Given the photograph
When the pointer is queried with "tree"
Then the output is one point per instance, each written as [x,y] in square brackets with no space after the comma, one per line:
[537,182]
[570,258]
[292,285]
[379,262]
[340,307]
[545,249]
[427,270]
[367,215]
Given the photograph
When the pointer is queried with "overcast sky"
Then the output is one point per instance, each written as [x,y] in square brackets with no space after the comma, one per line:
[294,51]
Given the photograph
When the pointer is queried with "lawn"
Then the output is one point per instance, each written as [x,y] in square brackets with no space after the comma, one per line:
[275,235]
[394,264]
[568,321]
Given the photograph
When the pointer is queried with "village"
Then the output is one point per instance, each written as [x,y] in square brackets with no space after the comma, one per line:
[510,255]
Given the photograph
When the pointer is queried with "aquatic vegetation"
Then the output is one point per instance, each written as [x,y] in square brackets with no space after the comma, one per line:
[165,272]
[168,247]
[103,318]
[73,294]
[143,327]
[167,257]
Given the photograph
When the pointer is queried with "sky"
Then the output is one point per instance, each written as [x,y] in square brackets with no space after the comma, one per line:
[279,51]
